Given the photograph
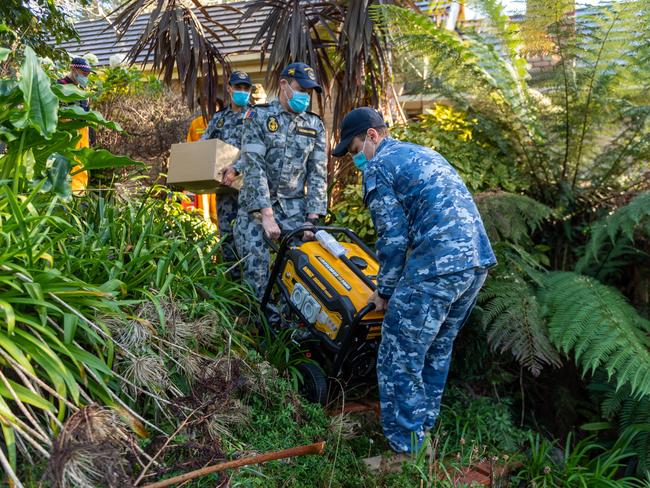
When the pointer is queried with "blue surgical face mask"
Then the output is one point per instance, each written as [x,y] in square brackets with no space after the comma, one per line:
[241,98]
[82,80]
[298,101]
[359,159]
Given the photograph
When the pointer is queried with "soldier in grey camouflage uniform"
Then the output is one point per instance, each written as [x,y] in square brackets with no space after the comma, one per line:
[227,125]
[433,254]
[284,164]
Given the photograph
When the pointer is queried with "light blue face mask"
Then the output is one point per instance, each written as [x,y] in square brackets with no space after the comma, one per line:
[299,101]
[82,80]
[241,98]
[359,159]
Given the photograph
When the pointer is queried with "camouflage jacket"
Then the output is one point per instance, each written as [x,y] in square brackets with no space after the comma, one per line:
[426,220]
[283,160]
[227,125]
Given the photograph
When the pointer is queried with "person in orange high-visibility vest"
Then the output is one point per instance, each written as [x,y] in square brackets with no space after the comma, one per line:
[206,202]
[79,71]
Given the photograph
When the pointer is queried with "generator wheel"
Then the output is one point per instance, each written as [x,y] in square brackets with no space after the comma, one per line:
[314,383]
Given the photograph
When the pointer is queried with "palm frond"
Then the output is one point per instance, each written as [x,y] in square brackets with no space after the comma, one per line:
[175,39]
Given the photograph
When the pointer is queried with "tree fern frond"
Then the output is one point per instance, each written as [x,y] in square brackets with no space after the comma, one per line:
[620,405]
[510,217]
[599,326]
[613,237]
[514,323]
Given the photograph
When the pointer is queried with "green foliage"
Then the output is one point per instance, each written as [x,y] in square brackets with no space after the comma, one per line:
[584,125]
[42,134]
[351,212]
[612,240]
[626,412]
[514,323]
[599,327]
[510,217]
[123,81]
[482,165]
[468,420]
[587,463]
[35,24]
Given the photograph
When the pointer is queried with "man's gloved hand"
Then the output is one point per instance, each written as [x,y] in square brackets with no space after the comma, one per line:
[228,175]
[380,303]
[271,228]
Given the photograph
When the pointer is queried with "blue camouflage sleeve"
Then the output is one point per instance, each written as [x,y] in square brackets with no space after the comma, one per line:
[255,186]
[317,176]
[391,225]
[209,130]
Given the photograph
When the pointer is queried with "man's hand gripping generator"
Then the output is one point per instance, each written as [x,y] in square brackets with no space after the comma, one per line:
[320,289]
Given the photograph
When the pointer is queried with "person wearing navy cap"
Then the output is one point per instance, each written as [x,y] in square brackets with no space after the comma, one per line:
[78,75]
[433,256]
[284,164]
[227,125]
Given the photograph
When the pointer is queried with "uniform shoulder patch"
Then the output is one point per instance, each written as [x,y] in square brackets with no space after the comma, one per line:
[220,123]
[272,124]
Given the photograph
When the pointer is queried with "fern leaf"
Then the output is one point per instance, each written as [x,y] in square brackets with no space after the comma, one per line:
[599,326]
[514,323]
[510,217]
[620,405]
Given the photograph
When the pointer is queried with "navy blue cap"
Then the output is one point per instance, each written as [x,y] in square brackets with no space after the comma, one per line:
[303,74]
[240,78]
[356,122]
[81,64]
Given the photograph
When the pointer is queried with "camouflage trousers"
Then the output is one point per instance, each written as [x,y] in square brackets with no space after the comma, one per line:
[420,325]
[249,239]
[226,214]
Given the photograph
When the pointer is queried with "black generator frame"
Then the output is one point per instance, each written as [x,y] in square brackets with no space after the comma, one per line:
[356,331]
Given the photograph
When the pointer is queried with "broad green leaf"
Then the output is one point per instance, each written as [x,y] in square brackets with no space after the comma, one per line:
[92,159]
[10,317]
[69,93]
[6,134]
[4,54]
[76,112]
[41,103]
[25,395]
[58,176]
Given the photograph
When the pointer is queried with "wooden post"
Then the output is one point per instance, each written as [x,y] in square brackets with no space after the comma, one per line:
[317,448]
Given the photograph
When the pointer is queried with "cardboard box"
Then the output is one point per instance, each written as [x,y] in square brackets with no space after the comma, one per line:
[196,166]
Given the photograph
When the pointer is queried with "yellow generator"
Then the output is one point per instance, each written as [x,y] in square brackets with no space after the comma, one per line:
[320,290]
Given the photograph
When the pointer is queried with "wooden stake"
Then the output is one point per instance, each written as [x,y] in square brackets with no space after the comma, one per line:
[317,448]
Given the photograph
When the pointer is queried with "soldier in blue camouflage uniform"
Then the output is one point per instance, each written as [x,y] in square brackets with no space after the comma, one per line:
[227,125]
[433,254]
[284,164]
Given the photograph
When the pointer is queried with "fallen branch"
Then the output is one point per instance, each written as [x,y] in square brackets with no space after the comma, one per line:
[316,448]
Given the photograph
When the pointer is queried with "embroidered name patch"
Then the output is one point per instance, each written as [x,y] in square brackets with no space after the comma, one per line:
[306,131]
